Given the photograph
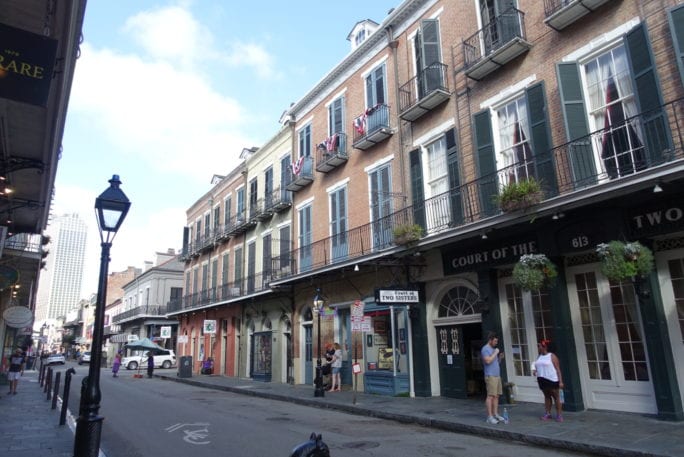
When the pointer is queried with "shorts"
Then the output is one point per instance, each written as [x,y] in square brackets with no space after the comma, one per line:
[546,384]
[494,386]
[13,375]
[336,370]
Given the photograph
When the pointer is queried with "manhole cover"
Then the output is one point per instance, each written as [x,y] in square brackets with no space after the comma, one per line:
[361,445]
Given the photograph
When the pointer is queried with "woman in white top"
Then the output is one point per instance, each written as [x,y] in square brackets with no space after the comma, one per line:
[550,380]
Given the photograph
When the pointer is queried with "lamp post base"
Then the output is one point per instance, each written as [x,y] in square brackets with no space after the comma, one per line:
[319,391]
[87,437]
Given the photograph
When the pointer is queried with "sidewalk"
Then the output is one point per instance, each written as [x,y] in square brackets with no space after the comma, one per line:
[590,432]
[29,427]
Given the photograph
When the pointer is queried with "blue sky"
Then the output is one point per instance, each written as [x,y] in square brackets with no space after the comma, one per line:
[167,93]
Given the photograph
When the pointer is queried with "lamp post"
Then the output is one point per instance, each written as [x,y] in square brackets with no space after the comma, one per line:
[319,391]
[111,208]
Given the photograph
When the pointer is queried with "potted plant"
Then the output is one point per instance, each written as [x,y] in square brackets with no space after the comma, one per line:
[620,261]
[407,233]
[520,194]
[534,272]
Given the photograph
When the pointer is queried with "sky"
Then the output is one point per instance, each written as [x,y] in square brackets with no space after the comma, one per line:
[167,93]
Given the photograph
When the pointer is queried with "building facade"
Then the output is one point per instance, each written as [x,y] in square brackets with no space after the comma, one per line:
[404,158]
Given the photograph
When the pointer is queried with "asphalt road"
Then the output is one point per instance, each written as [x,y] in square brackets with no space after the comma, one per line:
[152,417]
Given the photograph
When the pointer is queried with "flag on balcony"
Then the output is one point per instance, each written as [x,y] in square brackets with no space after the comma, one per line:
[332,142]
[297,166]
[621,149]
[360,124]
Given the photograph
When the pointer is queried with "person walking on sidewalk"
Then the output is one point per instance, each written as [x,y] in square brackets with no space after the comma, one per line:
[336,365]
[492,372]
[116,364]
[17,362]
[550,379]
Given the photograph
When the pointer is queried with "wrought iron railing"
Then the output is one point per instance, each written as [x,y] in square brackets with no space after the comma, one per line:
[494,35]
[430,79]
[370,121]
[140,311]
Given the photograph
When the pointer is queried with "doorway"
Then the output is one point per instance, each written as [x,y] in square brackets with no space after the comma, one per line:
[460,369]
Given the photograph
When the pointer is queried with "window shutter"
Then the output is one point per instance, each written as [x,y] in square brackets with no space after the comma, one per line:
[417,188]
[431,71]
[541,138]
[676,17]
[486,163]
[455,191]
[580,152]
[656,131]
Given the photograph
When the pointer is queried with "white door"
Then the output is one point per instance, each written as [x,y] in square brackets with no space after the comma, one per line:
[526,320]
[671,278]
[609,336]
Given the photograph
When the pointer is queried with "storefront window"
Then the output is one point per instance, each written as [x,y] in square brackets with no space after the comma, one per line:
[261,360]
[387,343]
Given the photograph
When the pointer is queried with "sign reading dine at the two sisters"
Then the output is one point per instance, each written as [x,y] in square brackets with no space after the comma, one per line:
[27,61]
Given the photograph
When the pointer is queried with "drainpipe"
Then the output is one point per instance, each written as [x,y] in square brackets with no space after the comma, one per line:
[394,45]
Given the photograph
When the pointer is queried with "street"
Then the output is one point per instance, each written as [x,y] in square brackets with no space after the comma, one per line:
[154,417]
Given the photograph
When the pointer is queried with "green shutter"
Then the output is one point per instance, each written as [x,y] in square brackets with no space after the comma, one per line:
[676,17]
[486,163]
[656,132]
[541,138]
[455,191]
[417,188]
[579,151]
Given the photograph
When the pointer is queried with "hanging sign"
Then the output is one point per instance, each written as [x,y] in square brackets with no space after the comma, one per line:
[182,339]
[165,331]
[396,296]
[210,326]
[17,316]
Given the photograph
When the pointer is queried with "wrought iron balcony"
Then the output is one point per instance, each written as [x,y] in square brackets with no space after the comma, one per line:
[140,312]
[259,212]
[331,153]
[240,223]
[496,44]
[224,293]
[424,92]
[278,200]
[561,13]
[301,174]
[372,127]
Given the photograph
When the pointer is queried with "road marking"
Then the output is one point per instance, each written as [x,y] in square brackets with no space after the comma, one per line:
[193,433]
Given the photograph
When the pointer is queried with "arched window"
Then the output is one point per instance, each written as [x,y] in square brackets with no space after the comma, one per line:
[459,301]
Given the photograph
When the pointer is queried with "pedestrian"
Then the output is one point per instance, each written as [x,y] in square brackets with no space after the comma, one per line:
[491,355]
[336,365]
[17,362]
[550,379]
[150,364]
[116,364]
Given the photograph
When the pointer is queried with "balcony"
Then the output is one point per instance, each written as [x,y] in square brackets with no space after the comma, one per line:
[139,312]
[331,153]
[301,174]
[223,231]
[424,92]
[561,13]
[278,200]
[372,127]
[493,46]
[225,293]
[240,223]
[260,213]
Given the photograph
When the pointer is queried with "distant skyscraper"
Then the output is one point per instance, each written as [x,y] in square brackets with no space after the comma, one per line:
[59,288]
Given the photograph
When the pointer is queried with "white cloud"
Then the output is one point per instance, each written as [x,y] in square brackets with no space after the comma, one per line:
[255,56]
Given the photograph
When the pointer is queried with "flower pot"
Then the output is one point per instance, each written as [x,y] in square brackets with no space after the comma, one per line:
[521,203]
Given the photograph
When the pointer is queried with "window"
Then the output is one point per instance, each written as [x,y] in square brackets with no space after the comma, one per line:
[217,217]
[251,266]
[266,258]
[338,223]
[360,37]
[240,209]
[335,117]
[225,264]
[610,101]
[198,230]
[305,239]
[500,23]
[238,269]
[253,197]
[207,226]
[381,205]
[436,183]
[428,58]
[268,188]
[226,211]
[305,141]
[284,248]
[515,152]
[375,87]
[214,278]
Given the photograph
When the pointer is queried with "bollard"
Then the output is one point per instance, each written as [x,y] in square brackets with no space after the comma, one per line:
[48,382]
[315,447]
[65,395]
[43,370]
[40,373]
[55,390]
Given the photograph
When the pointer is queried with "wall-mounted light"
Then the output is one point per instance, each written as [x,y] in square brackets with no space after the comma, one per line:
[657,188]
[356,267]
[557,216]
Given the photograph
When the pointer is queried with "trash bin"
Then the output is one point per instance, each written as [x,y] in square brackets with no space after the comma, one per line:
[185,367]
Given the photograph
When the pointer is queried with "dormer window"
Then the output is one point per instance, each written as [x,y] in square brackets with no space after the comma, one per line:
[360,36]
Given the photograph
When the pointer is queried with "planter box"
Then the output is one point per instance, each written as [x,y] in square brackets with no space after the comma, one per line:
[524,202]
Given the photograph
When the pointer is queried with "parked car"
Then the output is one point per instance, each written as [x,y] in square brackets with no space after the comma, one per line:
[55,358]
[84,358]
[163,358]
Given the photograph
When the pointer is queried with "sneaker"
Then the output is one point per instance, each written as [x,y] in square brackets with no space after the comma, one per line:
[546,417]
[499,418]
[491,420]
[559,418]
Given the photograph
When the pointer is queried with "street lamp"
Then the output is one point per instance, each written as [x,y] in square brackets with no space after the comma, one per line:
[111,208]
[318,309]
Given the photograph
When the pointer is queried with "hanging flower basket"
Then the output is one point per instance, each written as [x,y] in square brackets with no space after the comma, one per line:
[620,261]
[520,194]
[407,233]
[534,272]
